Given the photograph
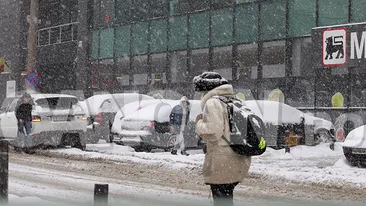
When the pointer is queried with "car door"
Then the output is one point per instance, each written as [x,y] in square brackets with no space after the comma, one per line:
[9,121]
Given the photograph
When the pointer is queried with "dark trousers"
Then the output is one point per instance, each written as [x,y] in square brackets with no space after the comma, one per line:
[24,139]
[223,194]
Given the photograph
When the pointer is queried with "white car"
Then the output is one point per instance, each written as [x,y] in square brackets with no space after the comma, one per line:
[101,110]
[148,127]
[285,119]
[57,120]
[354,146]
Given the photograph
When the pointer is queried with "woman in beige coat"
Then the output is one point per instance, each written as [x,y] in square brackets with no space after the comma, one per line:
[223,169]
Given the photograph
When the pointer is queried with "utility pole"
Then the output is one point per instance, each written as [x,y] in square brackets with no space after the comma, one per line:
[32,36]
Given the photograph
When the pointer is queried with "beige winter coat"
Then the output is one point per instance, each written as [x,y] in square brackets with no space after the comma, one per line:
[222,165]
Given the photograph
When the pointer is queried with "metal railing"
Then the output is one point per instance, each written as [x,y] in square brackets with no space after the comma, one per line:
[57,34]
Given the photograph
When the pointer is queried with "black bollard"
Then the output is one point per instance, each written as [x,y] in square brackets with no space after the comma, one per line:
[100,194]
[4,171]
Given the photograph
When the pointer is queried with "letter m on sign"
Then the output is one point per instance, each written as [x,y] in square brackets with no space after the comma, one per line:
[358,47]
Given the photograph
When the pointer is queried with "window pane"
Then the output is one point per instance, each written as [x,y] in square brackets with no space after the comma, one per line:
[199,61]
[158,32]
[123,41]
[158,68]
[106,76]
[273,20]
[106,43]
[358,11]
[95,44]
[302,15]
[247,61]
[140,10]
[301,92]
[222,27]
[330,85]
[273,59]
[178,33]
[333,12]
[158,8]
[221,3]
[178,66]
[177,7]
[96,13]
[222,61]
[139,36]
[122,71]
[246,23]
[139,68]
[199,30]
[301,48]
[124,11]
[106,12]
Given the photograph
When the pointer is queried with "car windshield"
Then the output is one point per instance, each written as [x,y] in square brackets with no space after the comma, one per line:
[57,103]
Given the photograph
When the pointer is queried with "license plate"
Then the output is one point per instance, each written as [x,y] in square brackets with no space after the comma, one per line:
[358,150]
[59,118]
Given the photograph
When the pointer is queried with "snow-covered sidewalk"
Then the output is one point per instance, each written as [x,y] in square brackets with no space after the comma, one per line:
[305,164]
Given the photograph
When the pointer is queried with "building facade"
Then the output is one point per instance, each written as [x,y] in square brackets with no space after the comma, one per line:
[155,45]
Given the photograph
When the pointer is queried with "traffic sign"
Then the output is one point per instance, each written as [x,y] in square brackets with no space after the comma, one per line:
[32,79]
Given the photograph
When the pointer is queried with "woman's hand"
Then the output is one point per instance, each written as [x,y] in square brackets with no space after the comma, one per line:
[199,117]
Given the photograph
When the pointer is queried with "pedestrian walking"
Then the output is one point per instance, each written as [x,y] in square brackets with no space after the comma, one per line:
[223,169]
[179,118]
[23,113]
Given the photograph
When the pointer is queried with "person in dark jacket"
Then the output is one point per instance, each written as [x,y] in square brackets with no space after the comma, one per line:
[179,118]
[23,114]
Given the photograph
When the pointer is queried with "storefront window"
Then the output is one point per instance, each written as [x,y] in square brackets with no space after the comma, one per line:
[247,61]
[267,86]
[139,38]
[96,13]
[273,59]
[140,10]
[222,27]
[158,31]
[222,3]
[106,76]
[199,61]
[273,20]
[333,12]
[158,68]
[199,24]
[140,69]
[106,43]
[246,25]
[123,41]
[222,61]
[123,70]
[178,33]
[300,92]
[301,56]
[178,66]
[244,1]
[302,17]
[357,11]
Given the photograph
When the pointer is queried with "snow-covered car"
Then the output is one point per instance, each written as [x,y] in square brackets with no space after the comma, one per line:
[354,146]
[57,120]
[284,121]
[148,127]
[101,110]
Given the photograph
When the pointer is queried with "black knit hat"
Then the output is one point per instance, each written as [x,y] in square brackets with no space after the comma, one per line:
[208,81]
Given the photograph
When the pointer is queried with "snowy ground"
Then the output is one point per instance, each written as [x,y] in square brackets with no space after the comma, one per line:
[304,165]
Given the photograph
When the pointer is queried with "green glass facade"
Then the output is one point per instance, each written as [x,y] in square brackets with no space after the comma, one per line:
[258,45]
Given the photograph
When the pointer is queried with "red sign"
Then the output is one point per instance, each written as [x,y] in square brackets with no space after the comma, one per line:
[107,18]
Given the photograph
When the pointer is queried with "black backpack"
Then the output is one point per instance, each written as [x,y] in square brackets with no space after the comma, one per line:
[246,129]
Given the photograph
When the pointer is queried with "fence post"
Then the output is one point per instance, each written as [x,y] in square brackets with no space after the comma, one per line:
[4,171]
[100,194]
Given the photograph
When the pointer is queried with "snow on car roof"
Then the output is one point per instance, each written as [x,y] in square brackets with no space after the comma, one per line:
[41,96]
[160,111]
[356,138]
